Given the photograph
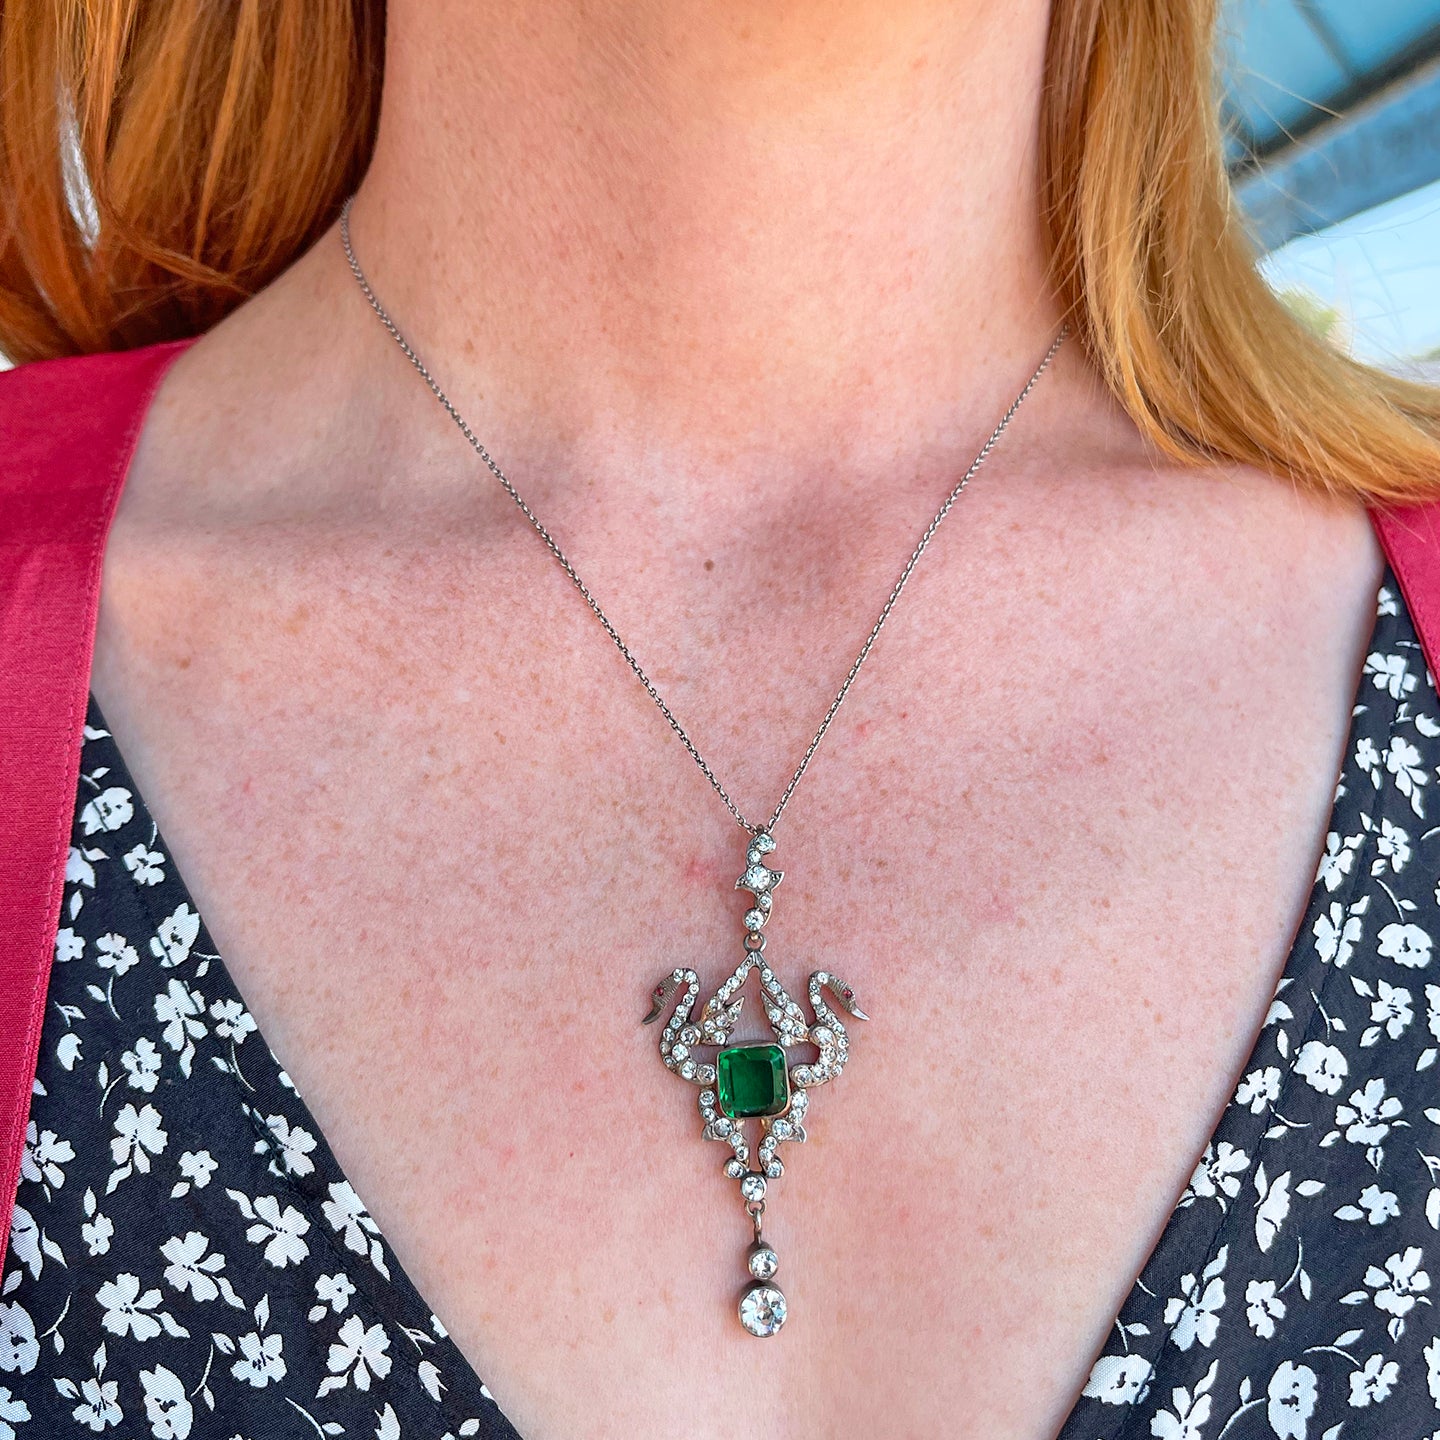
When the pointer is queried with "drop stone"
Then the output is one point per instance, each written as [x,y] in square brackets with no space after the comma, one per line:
[762,1309]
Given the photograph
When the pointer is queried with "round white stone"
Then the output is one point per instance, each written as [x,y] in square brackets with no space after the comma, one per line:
[752,1187]
[762,1309]
[763,1262]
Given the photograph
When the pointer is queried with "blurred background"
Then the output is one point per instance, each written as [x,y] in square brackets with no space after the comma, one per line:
[1332,109]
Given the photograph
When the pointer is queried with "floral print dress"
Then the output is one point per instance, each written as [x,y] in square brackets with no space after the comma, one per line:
[187,1259]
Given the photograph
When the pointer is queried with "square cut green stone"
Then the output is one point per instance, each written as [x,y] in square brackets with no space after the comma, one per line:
[752,1080]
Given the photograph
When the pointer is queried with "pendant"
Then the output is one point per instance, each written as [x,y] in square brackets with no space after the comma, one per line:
[755,1082]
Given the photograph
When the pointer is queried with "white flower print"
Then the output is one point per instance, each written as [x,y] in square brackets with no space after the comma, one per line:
[1398,1285]
[99,1408]
[45,1156]
[138,1136]
[1405,945]
[167,1407]
[1338,860]
[346,1214]
[294,1143]
[78,869]
[1219,1171]
[25,1241]
[1259,1088]
[1322,1066]
[98,1230]
[333,1292]
[1338,931]
[232,1020]
[280,1231]
[115,952]
[1291,1393]
[1273,1207]
[1263,1307]
[1279,1010]
[1367,759]
[360,1353]
[1391,1009]
[1369,1115]
[19,1349]
[1195,1313]
[1392,847]
[1374,1381]
[1432,1370]
[172,942]
[127,1310]
[1187,1420]
[1379,1205]
[1405,763]
[197,1167]
[145,864]
[191,1269]
[142,1065]
[97,1233]
[67,1052]
[1390,673]
[68,946]
[1375,1205]
[12,1412]
[178,1010]
[261,1360]
[109,810]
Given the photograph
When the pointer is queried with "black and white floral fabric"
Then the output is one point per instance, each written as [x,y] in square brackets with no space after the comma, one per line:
[187,1260]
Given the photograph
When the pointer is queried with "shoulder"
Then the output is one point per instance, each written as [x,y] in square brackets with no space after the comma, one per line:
[67,428]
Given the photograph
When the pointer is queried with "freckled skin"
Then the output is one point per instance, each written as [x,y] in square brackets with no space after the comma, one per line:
[446,846]
[1092,779]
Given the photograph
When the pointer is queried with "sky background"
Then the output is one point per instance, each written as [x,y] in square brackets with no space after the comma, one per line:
[1380,270]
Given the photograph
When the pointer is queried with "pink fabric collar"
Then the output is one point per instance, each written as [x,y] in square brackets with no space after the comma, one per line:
[67,431]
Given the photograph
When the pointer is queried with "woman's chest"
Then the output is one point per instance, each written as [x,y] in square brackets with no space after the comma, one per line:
[1063,892]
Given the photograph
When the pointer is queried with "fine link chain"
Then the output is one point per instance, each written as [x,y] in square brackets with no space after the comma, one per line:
[610,630]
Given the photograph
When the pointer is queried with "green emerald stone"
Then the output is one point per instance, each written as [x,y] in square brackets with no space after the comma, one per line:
[752,1080]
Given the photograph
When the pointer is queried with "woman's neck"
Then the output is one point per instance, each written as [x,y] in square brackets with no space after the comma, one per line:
[776,230]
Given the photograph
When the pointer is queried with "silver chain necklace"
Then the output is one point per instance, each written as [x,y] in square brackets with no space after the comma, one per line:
[744,1082]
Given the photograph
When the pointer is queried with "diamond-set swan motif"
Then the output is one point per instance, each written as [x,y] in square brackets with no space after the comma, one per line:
[755,1081]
